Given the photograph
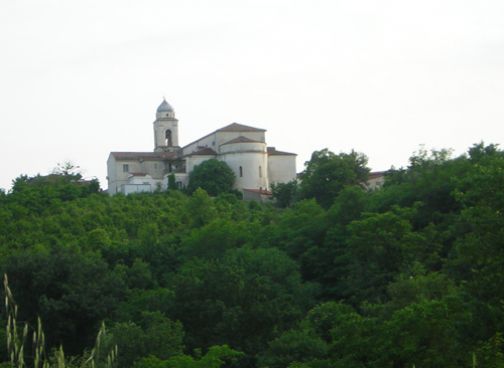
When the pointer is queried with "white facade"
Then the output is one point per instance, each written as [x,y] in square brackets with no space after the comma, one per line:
[249,162]
[242,147]
[165,128]
[281,168]
[375,180]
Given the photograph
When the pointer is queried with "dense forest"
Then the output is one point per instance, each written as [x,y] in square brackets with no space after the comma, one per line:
[328,275]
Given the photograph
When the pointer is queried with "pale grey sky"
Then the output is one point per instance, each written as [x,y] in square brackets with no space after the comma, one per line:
[79,79]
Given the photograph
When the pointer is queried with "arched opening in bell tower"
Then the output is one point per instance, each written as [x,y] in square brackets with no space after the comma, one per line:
[168,138]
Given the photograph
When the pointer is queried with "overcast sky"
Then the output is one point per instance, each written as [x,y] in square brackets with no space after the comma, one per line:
[79,79]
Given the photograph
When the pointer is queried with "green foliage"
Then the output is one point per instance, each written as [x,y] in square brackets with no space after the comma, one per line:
[327,173]
[377,245]
[213,176]
[103,354]
[63,281]
[406,275]
[172,184]
[285,194]
[294,346]
[248,295]
[40,193]
[491,352]
[216,357]
[155,336]
[212,240]
[201,207]
[424,334]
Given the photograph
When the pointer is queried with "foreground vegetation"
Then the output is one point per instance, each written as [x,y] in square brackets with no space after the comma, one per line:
[410,274]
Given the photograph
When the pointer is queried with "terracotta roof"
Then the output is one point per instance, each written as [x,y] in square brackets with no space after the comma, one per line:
[146,156]
[235,127]
[259,191]
[273,152]
[138,174]
[376,174]
[241,139]
[205,151]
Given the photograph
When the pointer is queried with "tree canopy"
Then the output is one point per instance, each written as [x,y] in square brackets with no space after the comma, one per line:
[406,275]
[327,173]
[213,176]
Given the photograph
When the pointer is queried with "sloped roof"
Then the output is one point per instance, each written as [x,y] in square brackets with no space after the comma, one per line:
[138,174]
[273,152]
[376,174]
[146,156]
[241,139]
[258,191]
[235,127]
[205,151]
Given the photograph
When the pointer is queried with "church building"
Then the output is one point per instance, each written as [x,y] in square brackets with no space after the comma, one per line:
[255,165]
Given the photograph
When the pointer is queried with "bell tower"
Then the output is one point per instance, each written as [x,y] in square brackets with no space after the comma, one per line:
[165,128]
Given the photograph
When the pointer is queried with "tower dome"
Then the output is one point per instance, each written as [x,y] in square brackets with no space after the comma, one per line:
[165,110]
[165,128]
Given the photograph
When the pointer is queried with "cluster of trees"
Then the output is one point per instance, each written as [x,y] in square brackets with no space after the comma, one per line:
[331,276]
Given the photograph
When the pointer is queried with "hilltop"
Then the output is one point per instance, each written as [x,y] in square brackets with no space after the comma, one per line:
[341,276]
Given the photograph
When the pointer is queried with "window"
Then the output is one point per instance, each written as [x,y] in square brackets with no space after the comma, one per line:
[260,172]
[125,168]
[241,171]
[168,138]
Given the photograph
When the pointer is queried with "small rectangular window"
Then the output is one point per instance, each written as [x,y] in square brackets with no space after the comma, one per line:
[125,168]
[260,172]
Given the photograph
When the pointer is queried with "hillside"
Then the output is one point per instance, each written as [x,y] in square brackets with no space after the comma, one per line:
[342,277]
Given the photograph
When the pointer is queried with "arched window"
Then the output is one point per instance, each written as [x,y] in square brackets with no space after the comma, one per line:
[260,171]
[241,171]
[168,138]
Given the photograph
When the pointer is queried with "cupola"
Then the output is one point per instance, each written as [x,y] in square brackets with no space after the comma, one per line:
[165,111]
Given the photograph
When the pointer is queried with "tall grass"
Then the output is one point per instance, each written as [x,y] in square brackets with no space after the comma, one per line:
[17,344]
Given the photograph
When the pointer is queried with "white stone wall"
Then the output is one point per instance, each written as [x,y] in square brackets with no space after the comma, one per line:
[215,140]
[135,188]
[181,179]
[193,161]
[375,183]
[243,147]
[147,179]
[208,141]
[281,169]
[250,162]
[156,169]
[250,156]
[140,184]
[117,176]
[160,128]
[111,175]
[223,137]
